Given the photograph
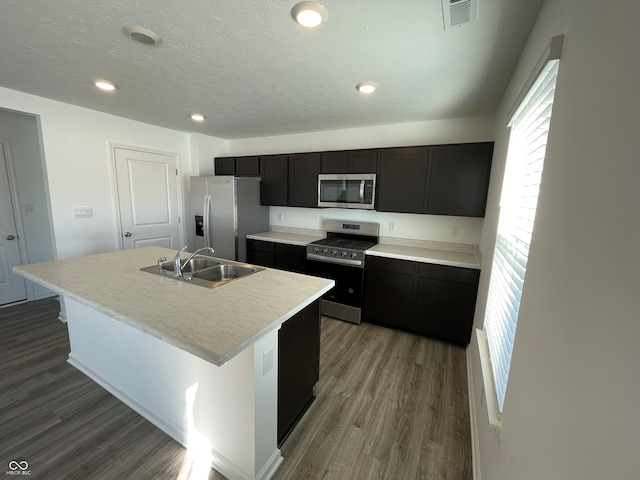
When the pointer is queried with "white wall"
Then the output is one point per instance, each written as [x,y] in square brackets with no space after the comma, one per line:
[461,130]
[79,166]
[21,131]
[572,404]
[435,228]
[421,227]
[204,149]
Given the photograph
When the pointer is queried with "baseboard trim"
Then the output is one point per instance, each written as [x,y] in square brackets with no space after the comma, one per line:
[473,418]
[271,466]
[219,462]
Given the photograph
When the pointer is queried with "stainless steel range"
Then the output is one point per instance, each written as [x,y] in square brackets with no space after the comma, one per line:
[341,256]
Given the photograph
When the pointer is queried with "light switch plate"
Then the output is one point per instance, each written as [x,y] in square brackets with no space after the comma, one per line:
[82,212]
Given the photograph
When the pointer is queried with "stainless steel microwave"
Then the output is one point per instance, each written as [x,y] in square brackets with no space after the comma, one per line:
[349,190]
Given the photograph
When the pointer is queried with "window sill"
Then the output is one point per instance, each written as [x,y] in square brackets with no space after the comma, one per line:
[493,412]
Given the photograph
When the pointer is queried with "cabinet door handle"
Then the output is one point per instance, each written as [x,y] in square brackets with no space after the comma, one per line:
[128,234]
[10,237]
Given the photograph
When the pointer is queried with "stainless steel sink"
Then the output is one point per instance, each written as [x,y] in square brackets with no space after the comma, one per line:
[206,271]
[193,265]
[224,273]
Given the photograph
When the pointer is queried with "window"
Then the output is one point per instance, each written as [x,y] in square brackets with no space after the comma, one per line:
[525,159]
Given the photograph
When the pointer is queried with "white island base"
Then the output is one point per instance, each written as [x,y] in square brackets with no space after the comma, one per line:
[226,416]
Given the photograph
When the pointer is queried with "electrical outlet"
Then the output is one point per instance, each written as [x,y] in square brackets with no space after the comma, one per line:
[455,230]
[267,361]
[280,217]
[392,226]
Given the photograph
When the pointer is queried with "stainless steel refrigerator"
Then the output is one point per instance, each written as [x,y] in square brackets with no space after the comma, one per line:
[222,211]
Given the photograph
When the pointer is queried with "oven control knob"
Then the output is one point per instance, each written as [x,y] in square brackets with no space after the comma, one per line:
[354,255]
[343,254]
[325,251]
[334,252]
[316,249]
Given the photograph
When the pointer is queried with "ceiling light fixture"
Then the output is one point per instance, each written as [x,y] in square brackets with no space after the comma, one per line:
[366,87]
[142,35]
[196,117]
[105,85]
[309,14]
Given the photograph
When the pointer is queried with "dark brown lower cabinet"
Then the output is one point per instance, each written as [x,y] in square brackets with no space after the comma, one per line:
[388,291]
[261,253]
[298,367]
[292,258]
[437,301]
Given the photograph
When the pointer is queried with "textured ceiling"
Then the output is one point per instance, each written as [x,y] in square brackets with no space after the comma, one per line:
[253,71]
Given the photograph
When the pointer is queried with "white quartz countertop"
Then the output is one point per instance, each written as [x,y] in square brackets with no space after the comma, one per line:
[455,255]
[212,323]
[286,237]
[452,257]
[426,255]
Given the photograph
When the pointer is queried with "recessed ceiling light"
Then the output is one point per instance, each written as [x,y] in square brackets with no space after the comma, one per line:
[196,117]
[366,87]
[309,14]
[105,85]
[142,35]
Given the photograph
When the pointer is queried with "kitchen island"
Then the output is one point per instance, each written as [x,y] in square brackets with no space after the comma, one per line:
[199,363]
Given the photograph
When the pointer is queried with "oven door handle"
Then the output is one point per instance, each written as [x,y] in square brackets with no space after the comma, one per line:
[341,261]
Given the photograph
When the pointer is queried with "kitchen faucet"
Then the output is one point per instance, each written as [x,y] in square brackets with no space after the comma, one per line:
[178,265]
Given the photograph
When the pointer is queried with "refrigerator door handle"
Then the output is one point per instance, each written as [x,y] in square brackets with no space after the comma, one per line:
[206,215]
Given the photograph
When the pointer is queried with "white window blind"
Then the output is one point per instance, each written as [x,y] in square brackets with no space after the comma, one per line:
[518,203]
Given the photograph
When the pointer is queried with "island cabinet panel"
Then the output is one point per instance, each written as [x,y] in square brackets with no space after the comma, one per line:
[350,161]
[437,301]
[261,253]
[225,165]
[402,180]
[298,367]
[459,179]
[303,179]
[274,175]
[292,258]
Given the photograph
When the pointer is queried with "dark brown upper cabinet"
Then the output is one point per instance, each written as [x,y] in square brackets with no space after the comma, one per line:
[241,166]
[459,179]
[274,175]
[438,180]
[403,179]
[303,179]
[350,161]
[225,165]
[248,166]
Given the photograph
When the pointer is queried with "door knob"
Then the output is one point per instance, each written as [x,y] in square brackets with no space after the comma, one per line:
[10,237]
[127,234]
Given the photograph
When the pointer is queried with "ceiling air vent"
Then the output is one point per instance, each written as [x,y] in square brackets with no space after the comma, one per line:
[459,12]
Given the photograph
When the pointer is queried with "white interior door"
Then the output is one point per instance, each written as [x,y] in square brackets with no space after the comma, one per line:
[12,286]
[148,198]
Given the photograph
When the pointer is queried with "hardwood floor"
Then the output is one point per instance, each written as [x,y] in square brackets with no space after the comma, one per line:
[390,405]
